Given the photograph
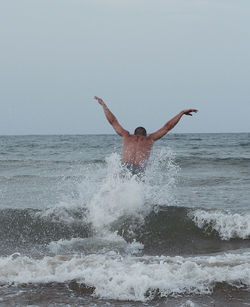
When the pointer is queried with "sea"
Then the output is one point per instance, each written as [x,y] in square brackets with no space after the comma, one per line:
[78,230]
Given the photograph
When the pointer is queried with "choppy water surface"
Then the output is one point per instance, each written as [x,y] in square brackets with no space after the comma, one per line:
[73,232]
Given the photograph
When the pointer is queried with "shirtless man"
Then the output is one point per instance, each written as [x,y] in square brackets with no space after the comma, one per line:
[137,146]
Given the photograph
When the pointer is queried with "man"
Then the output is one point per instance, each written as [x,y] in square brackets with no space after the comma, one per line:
[137,146]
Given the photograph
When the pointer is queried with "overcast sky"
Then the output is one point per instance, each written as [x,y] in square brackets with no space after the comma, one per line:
[148,60]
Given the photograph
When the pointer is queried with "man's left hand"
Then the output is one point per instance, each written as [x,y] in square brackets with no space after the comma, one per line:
[189,111]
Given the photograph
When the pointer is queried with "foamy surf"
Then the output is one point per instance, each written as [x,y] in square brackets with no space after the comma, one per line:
[112,276]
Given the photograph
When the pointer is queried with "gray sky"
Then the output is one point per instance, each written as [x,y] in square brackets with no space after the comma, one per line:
[148,60]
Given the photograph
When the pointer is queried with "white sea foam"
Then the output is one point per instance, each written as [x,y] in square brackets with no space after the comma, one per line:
[100,244]
[227,224]
[131,278]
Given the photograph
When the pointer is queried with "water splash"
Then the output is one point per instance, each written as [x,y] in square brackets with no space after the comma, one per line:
[109,193]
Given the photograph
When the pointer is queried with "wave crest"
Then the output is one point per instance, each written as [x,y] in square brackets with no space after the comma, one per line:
[228,225]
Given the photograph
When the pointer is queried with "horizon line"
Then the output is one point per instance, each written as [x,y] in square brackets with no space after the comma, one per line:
[95,134]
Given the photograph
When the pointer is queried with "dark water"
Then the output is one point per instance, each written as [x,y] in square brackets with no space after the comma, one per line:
[74,233]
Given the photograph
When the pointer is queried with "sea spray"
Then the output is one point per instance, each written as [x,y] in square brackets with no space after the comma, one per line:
[161,178]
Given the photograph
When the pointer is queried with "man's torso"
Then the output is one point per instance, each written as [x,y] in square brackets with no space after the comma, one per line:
[136,149]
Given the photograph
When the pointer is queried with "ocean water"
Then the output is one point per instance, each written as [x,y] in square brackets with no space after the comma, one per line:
[73,232]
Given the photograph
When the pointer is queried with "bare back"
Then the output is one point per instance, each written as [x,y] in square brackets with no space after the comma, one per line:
[136,149]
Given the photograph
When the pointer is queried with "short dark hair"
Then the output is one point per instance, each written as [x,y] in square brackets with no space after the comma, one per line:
[140,131]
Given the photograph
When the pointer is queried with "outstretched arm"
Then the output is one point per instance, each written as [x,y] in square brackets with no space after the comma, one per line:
[170,124]
[112,119]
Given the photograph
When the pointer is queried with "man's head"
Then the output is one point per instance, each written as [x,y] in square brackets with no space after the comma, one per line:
[140,131]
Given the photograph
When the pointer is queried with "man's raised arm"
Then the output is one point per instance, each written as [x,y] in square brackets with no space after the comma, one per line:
[170,124]
[112,119]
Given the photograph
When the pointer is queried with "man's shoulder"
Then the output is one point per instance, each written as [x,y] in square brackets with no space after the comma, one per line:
[137,138]
[127,135]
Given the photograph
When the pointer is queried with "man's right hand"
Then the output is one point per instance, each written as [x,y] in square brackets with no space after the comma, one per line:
[100,100]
